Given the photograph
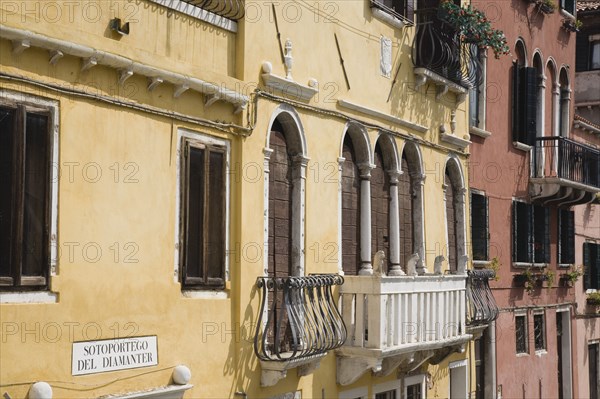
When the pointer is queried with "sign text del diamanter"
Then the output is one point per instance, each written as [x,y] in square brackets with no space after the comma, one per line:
[91,357]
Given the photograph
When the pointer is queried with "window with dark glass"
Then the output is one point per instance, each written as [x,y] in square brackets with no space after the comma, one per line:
[203,255]
[387,395]
[479,226]
[531,233]
[539,331]
[414,391]
[568,6]
[25,148]
[524,104]
[591,265]
[566,237]
[403,8]
[521,333]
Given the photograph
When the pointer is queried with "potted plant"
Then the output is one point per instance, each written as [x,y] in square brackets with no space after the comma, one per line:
[546,6]
[593,299]
[569,278]
[473,27]
[525,279]
[572,25]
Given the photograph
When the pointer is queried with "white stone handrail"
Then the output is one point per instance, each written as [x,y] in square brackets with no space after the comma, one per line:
[393,314]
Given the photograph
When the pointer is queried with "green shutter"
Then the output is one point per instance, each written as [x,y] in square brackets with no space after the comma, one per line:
[587,275]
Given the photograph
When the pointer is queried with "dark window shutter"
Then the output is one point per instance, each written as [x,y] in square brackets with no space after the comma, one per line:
[194,223]
[479,227]
[530,98]
[215,215]
[541,234]
[516,103]
[410,10]
[595,258]
[521,232]
[582,52]
[566,234]
[587,266]
[7,211]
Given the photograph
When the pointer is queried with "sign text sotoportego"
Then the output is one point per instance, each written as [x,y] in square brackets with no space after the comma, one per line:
[91,357]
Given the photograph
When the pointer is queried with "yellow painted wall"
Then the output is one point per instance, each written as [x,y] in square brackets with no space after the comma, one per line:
[108,297]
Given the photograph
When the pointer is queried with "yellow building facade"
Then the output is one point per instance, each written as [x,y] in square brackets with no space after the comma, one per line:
[196,167]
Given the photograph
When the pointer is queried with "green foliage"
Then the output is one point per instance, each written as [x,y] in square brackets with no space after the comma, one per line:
[474,27]
[593,298]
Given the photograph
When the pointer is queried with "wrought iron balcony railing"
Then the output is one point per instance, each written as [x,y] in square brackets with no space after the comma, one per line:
[302,319]
[231,9]
[481,305]
[560,157]
[437,47]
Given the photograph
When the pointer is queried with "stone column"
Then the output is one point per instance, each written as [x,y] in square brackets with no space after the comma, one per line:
[395,268]
[366,268]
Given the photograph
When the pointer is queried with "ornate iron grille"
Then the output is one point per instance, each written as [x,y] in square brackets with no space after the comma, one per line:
[567,159]
[482,308]
[302,319]
[231,9]
[437,46]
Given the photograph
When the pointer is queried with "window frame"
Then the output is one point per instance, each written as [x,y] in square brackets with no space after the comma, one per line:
[486,227]
[199,140]
[539,315]
[480,92]
[591,250]
[563,8]
[389,14]
[524,105]
[27,103]
[395,385]
[525,335]
[533,231]
[570,238]
[419,379]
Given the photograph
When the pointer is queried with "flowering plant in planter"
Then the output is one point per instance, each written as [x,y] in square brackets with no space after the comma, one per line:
[474,27]
[572,25]
[546,6]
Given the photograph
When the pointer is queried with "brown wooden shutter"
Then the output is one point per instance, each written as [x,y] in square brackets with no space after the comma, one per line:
[215,215]
[380,207]
[350,210]
[193,273]
[405,202]
[522,237]
[566,234]
[451,224]
[582,52]
[7,209]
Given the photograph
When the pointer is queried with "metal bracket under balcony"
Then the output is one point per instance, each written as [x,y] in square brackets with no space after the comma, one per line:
[297,325]
[565,172]
[481,305]
[400,322]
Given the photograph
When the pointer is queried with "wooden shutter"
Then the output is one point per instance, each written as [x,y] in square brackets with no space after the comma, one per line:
[529,91]
[595,258]
[516,102]
[479,226]
[587,265]
[405,203]
[451,224]
[380,207]
[194,206]
[214,241]
[7,134]
[350,210]
[541,234]
[566,234]
[522,237]
[582,52]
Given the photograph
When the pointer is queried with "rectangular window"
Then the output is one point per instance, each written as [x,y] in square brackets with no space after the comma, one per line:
[525,93]
[593,355]
[521,333]
[25,202]
[591,265]
[539,330]
[568,6]
[531,233]
[405,9]
[479,226]
[566,237]
[203,215]
[386,395]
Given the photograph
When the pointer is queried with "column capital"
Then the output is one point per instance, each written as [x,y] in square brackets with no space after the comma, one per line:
[394,176]
[300,160]
[365,170]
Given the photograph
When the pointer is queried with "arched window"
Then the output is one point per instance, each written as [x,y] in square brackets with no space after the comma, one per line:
[565,103]
[380,206]
[280,205]
[350,209]
[454,198]
[525,98]
[406,199]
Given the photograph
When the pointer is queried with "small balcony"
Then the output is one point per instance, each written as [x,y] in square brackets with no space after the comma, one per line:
[230,9]
[481,305]
[565,172]
[441,57]
[401,322]
[298,324]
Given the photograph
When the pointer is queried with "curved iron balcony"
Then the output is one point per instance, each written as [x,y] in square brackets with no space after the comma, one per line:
[302,319]
[482,308]
[437,47]
[231,9]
